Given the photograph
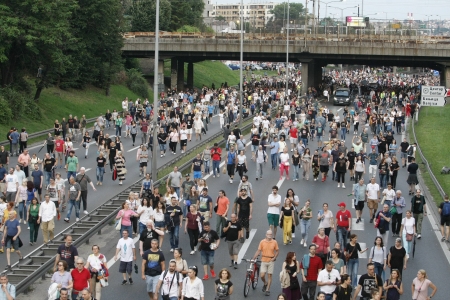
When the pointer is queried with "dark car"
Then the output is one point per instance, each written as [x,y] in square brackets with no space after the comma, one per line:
[342,96]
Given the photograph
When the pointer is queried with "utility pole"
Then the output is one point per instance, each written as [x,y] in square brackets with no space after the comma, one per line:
[287,56]
[241,92]
[155,98]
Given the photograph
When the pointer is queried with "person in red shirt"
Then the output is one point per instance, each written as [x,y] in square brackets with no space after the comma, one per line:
[216,153]
[59,151]
[310,268]
[343,224]
[80,277]
[293,134]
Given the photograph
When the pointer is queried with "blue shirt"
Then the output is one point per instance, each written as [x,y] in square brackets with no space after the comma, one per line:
[373,158]
[14,137]
[211,109]
[37,177]
[275,148]
[12,227]
[11,290]
[231,157]
[3,173]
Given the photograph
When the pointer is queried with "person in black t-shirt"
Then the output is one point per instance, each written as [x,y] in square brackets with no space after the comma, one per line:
[344,290]
[153,264]
[162,141]
[244,209]
[150,233]
[112,152]
[233,233]
[173,217]
[340,167]
[403,152]
[209,242]
[66,252]
[49,163]
[367,282]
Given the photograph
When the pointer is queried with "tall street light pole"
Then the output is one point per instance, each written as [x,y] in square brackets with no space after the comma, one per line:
[342,11]
[155,97]
[287,54]
[326,6]
[241,92]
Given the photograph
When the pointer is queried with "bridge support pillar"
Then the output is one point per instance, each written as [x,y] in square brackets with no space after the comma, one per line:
[190,75]
[173,73]
[311,75]
[445,76]
[180,75]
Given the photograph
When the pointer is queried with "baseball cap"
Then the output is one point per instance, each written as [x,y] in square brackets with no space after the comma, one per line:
[187,175]
[342,204]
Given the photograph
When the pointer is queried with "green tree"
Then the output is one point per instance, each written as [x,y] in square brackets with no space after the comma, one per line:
[143,16]
[220,18]
[189,29]
[98,27]
[34,34]
[186,12]
[296,11]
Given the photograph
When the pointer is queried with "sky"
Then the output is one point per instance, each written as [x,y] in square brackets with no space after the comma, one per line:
[395,9]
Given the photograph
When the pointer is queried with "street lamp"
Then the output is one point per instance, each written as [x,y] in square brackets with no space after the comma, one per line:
[241,92]
[428,23]
[155,97]
[342,11]
[326,7]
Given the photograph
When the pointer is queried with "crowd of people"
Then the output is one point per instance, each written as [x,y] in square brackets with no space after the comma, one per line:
[285,129]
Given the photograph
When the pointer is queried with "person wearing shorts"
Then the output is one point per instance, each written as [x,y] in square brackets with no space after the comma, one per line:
[59,151]
[445,219]
[196,167]
[324,163]
[273,212]
[373,197]
[359,194]
[233,233]
[268,248]
[152,267]
[209,242]
[11,237]
[127,254]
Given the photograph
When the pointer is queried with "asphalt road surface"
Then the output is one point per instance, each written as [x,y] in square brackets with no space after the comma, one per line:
[428,255]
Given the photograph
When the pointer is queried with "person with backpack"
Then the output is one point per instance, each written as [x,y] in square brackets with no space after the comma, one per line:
[170,282]
[444,211]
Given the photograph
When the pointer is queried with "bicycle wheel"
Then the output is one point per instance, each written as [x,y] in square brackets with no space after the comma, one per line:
[247,285]
[255,278]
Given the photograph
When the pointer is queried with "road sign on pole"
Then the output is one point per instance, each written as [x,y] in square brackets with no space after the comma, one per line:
[433,101]
[438,91]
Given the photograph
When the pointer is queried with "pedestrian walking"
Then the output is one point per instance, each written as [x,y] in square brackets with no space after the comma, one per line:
[310,267]
[47,214]
[273,212]
[7,291]
[66,252]
[173,219]
[268,248]
[408,230]
[322,242]
[420,286]
[97,265]
[119,165]
[125,246]
[352,251]
[368,282]
[397,213]
[233,234]
[170,283]
[393,286]
[223,205]
[209,242]
[284,163]
[377,256]
[328,279]
[291,269]
[32,218]
[223,286]
[176,180]
[192,286]
[83,180]
[343,222]
[11,237]
[287,220]
[418,210]
[373,197]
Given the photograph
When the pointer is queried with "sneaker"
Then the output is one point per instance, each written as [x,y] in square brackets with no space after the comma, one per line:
[290,242]
[302,241]
[1,250]
[124,282]
[20,220]
[25,222]
[171,250]
[357,221]
[77,219]
[195,248]
[206,277]
[235,265]
[130,280]
[256,178]
[304,245]
[343,186]
[213,274]
[264,288]
[267,293]
[293,235]
[371,220]
[12,250]
[442,239]
[419,236]
[85,212]
[339,185]
[192,252]
[218,175]
[28,228]
[231,180]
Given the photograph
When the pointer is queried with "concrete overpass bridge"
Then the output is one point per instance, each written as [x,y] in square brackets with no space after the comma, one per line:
[314,52]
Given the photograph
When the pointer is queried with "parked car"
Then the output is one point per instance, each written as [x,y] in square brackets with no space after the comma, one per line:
[255,67]
[234,67]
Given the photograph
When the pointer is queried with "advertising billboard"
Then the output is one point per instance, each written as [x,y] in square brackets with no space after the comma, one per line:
[355,22]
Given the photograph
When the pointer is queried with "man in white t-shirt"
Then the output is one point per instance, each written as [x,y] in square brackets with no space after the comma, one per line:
[127,254]
[373,197]
[273,212]
[328,279]
[12,184]
[171,282]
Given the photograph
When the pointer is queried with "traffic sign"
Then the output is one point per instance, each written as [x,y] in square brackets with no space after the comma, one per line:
[439,91]
[433,101]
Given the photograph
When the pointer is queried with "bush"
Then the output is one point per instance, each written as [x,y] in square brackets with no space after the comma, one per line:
[5,111]
[20,104]
[136,83]
[188,29]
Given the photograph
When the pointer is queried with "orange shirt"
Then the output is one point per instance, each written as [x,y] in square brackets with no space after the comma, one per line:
[267,249]
[222,203]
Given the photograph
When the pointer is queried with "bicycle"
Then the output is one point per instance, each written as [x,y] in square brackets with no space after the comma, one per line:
[252,276]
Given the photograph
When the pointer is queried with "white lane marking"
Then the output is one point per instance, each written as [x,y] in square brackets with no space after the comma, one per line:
[132,149]
[339,109]
[245,246]
[363,247]
[280,182]
[112,261]
[357,226]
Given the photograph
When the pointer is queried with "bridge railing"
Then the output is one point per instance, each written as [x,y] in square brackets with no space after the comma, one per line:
[267,36]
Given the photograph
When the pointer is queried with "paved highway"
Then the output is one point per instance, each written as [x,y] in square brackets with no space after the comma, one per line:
[109,188]
[429,255]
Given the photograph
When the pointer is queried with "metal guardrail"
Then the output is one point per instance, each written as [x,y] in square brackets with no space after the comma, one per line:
[43,132]
[36,264]
[427,164]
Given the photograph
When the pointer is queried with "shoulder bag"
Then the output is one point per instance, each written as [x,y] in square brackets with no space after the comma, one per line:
[347,256]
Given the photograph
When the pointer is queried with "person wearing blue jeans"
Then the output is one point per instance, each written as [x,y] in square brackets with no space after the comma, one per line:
[306,214]
[274,147]
[343,132]
[74,199]
[173,217]
[352,250]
